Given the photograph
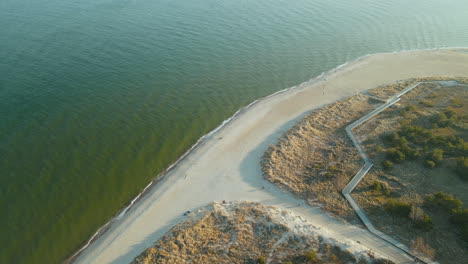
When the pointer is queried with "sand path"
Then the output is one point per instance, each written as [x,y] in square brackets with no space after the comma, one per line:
[226,166]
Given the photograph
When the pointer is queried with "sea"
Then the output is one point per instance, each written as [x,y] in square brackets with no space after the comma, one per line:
[98,97]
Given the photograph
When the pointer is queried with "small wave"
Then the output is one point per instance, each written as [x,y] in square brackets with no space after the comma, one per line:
[320,77]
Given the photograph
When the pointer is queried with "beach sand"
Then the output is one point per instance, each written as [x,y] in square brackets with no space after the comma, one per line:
[226,165]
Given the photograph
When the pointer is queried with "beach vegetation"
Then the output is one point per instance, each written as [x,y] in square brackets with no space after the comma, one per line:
[398,208]
[459,217]
[453,208]
[261,260]
[420,219]
[444,201]
[429,164]
[386,164]
[311,256]
[381,187]
[462,168]
[421,246]
[378,148]
[456,102]
[396,155]
[427,103]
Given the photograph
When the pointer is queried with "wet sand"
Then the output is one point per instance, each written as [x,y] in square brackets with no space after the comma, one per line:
[226,164]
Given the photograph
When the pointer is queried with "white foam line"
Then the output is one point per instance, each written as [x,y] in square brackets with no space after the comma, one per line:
[90,240]
[133,201]
[199,141]
[160,176]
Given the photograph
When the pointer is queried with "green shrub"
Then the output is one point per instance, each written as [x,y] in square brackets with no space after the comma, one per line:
[409,152]
[261,260]
[310,256]
[450,114]
[386,164]
[424,224]
[381,187]
[411,108]
[377,186]
[436,155]
[430,164]
[396,155]
[446,119]
[457,102]
[378,148]
[427,103]
[398,208]
[416,134]
[443,200]
[459,217]
[462,168]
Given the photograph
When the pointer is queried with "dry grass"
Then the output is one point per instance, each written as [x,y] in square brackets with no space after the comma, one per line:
[410,181]
[315,160]
[421,246]
[244,233]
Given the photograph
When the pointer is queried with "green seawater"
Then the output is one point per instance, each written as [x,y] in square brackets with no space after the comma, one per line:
[99,96]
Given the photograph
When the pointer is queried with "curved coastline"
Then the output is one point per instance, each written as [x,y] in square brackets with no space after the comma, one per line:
[200,141]
[162,176]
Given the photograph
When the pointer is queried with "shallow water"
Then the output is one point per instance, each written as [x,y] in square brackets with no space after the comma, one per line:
[97,97]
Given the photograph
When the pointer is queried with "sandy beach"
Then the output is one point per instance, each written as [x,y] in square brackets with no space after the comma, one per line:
[226,165]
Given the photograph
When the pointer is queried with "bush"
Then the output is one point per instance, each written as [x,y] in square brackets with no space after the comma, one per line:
[377,186]
[409,152]
[430,164]
[424,224]
[398,208]
[450,114]
[378,148]
[386,164]
[310,256]
[382,261]
[460,219]
[261,260]
[462,168]
[446,118]
[441,120]
[396,155]
[459,216]
[443,200]
[457,102]
[381,187]
[416,134]
[427,103]
[411,108]
[436,155]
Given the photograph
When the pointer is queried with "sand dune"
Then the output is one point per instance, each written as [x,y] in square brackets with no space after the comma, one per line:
[226,165]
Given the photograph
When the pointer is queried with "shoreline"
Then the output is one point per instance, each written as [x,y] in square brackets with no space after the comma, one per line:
[199,142]
[205,140]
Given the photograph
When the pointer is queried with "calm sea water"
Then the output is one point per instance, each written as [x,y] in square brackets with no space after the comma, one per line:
[98,96]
